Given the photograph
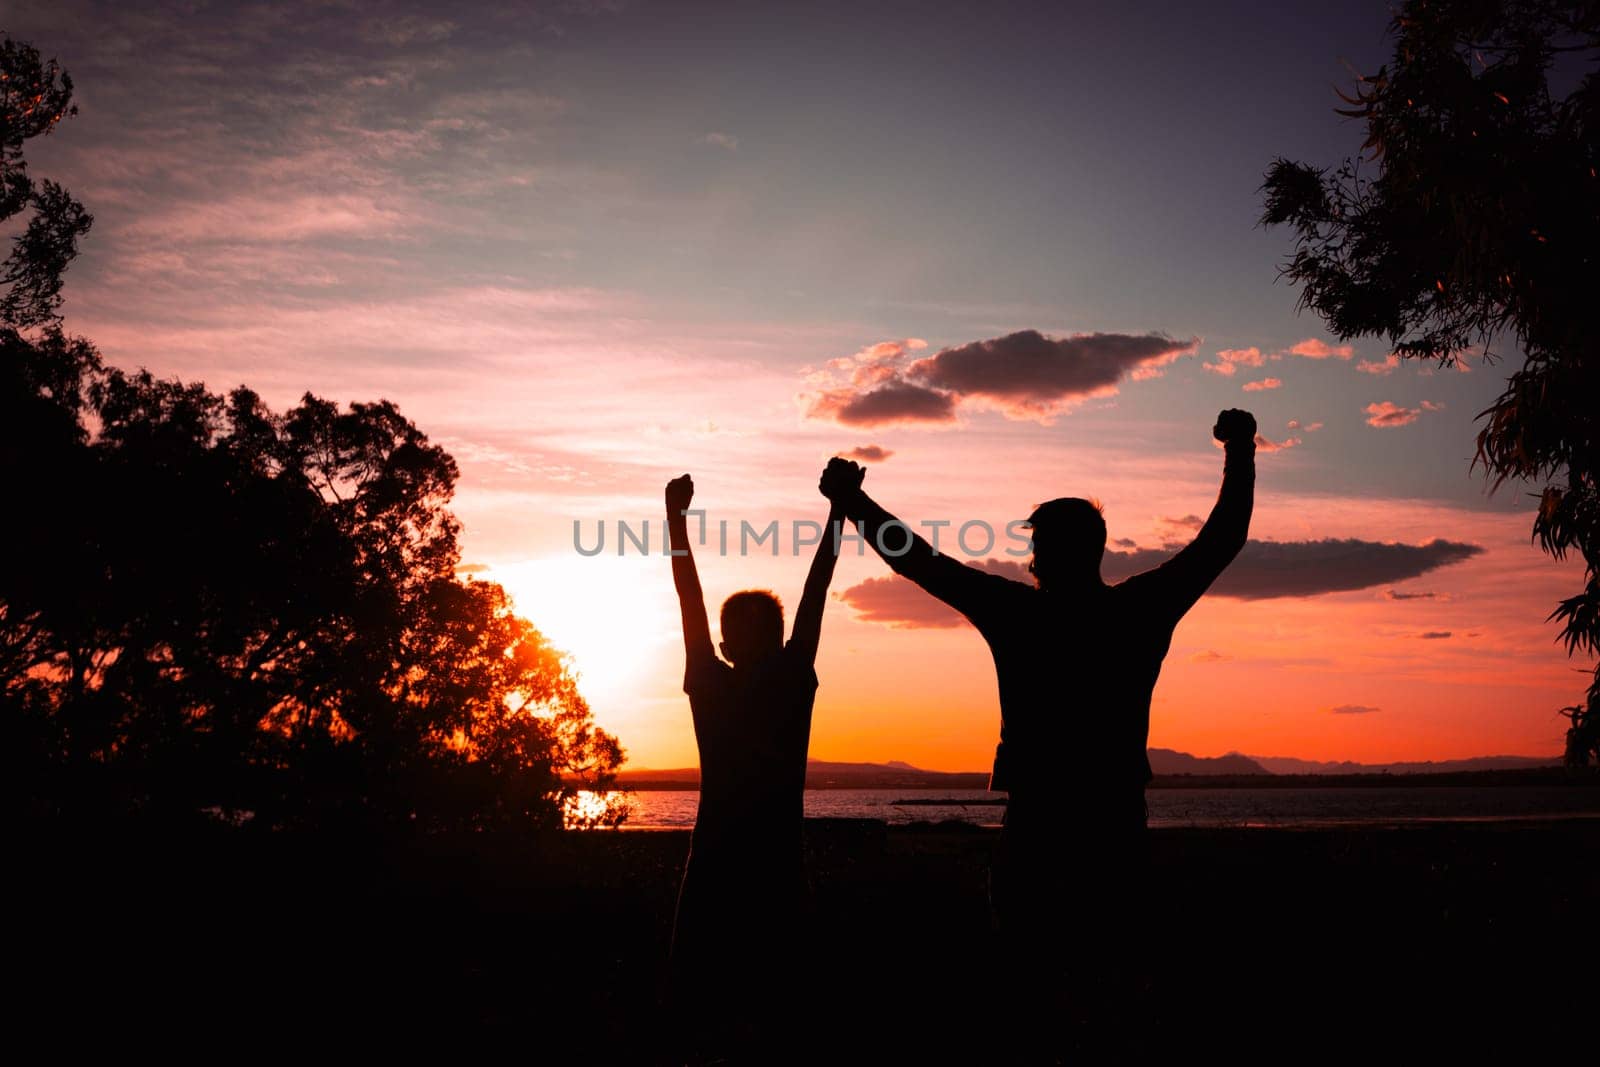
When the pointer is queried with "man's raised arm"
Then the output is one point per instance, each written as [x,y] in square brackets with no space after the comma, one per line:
[1185,577]
[691,601]
[962,587]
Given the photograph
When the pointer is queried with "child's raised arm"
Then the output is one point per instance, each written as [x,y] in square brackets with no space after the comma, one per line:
[808,617]
[691,601]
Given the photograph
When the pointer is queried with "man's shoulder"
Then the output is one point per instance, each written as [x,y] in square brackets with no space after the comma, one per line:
[1003,580]
[995,599]
[1140,584]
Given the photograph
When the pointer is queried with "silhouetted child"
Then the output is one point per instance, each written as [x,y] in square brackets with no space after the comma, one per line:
[743,897]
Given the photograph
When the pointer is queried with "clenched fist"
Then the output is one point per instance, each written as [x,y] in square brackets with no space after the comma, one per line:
[840,478]
[1235,427]
[680,493]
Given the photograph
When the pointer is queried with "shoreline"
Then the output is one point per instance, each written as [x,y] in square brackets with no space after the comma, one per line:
[1375,824]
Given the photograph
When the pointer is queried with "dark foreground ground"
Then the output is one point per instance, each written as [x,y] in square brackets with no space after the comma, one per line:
[1264,944]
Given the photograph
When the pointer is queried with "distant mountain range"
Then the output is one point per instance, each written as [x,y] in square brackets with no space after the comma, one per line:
[1169,761]
[823,774]
[1289,765]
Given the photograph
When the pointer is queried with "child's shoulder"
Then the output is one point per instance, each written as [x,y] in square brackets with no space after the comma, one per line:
[798,665]
[703,672]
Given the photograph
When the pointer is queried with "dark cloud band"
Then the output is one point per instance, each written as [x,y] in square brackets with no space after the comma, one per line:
[1263,570]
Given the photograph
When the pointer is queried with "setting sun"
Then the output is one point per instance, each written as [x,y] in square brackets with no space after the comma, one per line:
[612,617]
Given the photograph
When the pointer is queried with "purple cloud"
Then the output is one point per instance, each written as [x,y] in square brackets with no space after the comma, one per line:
[1025,375]
[887,405]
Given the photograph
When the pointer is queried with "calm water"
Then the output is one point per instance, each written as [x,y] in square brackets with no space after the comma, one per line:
[652,809]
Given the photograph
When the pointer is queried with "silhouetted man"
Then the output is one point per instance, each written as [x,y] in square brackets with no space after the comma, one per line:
[743,893]
[1076,661]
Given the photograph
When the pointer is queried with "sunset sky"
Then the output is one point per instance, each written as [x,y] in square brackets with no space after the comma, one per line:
[588,246]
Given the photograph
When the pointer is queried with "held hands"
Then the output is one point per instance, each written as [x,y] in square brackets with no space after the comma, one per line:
[680,493]
[1235,427]
[841,478]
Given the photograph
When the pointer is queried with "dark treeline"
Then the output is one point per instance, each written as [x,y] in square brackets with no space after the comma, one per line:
[206,605]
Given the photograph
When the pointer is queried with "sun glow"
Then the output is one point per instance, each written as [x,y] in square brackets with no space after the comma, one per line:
[613,618]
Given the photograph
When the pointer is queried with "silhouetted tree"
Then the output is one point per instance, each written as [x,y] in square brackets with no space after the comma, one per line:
[1472,216]
[34,96]
[208,605]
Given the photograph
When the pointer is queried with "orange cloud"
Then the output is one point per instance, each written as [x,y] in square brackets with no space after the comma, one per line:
[1371,366]
[1229,360]
[891,349]
[1250,357]
[1386,413]
[1311,348]
[1263,385]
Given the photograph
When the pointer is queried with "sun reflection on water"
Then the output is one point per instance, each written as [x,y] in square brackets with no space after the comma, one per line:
[588,809]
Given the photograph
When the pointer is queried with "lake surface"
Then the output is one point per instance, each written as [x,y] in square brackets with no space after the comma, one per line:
[1308,807]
